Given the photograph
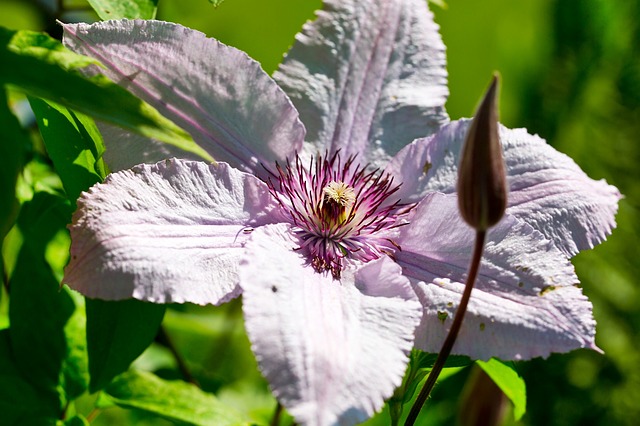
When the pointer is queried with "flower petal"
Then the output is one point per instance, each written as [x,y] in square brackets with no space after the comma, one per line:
[368,77]
[547,189]
[231,107]
[525,303]
[169,232]
[331,350]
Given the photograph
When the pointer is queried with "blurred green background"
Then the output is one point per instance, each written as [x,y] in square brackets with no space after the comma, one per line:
[571,73]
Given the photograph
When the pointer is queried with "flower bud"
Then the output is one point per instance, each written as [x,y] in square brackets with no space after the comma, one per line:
[482,182]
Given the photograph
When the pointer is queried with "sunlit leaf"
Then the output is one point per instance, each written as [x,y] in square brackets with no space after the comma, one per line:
[420,364]
[118,9]
[73,143]
[216,3]
[75,370]
[42,67]
[117,333]
[173,400]
[509,382]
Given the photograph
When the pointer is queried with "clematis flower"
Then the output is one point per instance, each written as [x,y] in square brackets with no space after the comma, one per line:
[342,234]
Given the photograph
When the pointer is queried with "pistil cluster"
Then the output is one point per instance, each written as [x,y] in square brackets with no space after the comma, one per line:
[340,211]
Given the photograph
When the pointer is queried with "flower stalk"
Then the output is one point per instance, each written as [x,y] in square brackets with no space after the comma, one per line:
[482,201]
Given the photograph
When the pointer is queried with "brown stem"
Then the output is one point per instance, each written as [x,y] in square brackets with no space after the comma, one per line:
[163,338]
[275,420]
[453,332]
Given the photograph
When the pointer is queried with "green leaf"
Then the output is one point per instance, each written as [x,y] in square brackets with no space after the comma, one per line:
[73,143]
[131,9]
[216,3]
[508,380]
[75,370]
[173,400]
[12,149]
[76,420]
[117,333]
[420,364]
[40,66]
[20,402]
[39,311]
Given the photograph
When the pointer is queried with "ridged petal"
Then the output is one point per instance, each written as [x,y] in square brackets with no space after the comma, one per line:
[526,301]
[331,350]
[169,232]
[548,190]
[230,106]
[368,77]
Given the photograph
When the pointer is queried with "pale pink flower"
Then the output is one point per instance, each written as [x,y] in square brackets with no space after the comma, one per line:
[342,234]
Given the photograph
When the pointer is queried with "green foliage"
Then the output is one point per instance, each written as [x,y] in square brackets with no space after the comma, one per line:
[117,333]
[571,74]
[73,143]
[20,402]
[420,364]
[75,421]
[12,150]
[216,3]
[509,381]
[45,340]
[174,400]
[117,9]
[42,67]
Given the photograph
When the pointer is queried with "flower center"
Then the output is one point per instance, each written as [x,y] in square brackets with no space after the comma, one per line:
[339,211]
[338,198]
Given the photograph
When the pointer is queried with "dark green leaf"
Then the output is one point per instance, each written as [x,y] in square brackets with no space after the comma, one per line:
[77,420]
[20,402]
[73,143]
[509,381]
[173,400]
[38,310]
[42,67]
[118,9]
[12,148]
[117,333]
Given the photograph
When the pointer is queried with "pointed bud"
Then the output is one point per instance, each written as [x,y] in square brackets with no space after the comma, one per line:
[482,182]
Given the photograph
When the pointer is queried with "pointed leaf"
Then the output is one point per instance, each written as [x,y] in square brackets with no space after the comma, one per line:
[174,400]
[74,145]
[42,67]
[118,9]
[117,333]
[509,381]
[368,77]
